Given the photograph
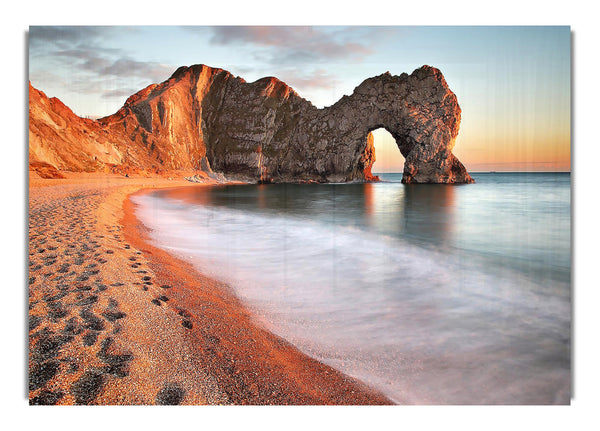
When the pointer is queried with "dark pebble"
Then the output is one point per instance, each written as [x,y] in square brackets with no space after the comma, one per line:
[187,324]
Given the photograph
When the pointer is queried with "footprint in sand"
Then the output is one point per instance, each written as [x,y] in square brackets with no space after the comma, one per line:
[46,398]
[87,301]
[41,374]
[90,338]
[170,395]
[92,321]
[87,387]
[118,364]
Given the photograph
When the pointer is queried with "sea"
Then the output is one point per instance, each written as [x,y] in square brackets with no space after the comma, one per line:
[432,294]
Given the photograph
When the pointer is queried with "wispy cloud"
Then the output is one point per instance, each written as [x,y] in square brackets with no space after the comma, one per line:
[90,61]
[318,78]
[292,45]
[119,94]
[128,67]
[66,37]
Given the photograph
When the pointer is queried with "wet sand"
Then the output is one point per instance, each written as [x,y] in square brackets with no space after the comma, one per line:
[114,320]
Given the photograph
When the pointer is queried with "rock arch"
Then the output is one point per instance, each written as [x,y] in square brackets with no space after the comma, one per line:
[262,129]
[298,141]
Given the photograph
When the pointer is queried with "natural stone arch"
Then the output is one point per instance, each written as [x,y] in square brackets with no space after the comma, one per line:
[256,130]
[297,141]
[419,111]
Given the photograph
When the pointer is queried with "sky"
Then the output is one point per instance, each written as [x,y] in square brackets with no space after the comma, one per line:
[513,83]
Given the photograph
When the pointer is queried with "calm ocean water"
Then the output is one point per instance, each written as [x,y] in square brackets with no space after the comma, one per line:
[433,294]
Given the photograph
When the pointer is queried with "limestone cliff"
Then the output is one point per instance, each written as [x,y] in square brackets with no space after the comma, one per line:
[203,117]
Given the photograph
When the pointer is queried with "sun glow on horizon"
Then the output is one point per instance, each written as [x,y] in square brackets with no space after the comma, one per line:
[388,157]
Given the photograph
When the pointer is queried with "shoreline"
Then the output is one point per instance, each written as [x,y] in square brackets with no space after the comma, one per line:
[183,338]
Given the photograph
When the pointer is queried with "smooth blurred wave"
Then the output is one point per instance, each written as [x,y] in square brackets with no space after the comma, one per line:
[434,294]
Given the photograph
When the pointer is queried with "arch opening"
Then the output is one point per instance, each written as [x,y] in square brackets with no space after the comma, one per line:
[388,158]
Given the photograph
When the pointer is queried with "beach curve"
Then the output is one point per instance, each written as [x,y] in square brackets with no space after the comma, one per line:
[115,320]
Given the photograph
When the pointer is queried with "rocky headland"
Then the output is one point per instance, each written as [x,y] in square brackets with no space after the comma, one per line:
[203,119]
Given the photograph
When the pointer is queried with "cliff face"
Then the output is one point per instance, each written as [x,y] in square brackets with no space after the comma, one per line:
[59,139]
[258,130]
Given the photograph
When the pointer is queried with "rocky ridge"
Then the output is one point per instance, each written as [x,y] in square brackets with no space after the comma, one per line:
[203,117]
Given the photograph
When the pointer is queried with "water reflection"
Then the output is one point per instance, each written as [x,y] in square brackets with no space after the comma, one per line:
[369,192]
[429,211]
[424,212]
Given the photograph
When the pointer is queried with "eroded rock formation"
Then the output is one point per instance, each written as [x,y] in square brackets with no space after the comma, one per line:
[203,117]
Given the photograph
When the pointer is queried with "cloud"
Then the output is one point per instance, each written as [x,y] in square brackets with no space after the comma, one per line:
[56,38]
[84,60]
[293,45]
[64,37]
[118,94]
[316,79]
[127,67]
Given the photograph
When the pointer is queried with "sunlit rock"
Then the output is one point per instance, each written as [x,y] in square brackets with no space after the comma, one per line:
[262,131]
